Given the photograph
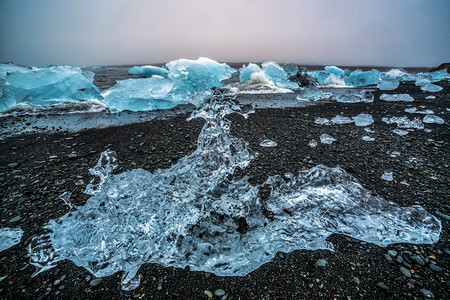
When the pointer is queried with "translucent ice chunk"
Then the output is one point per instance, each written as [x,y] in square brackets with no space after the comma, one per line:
[51,85]
[148,71]
[429,87]
[246,72]
[404,122]
[396,97]
[368,138]
[433,119]
[311,93]
[388,176]
[322,121]
[9,237]
[395,154]
[221,71]
[388,84]
[276,74]
[312,143]
[363,78]
[430,97]
[268,143]
[363,120]
[339,120]
[327,139]
[291,69]
[411,110]
[355,96]
[7,99]
[400,131]
[6,69]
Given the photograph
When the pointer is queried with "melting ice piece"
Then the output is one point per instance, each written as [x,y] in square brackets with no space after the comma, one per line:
[311,93]
[433,119]
[363,120]
[9,237]
[221,71]
[276,74]
[400,131]
[355,96]
[327,139]
[429,87]
[411,110]
[312,143]
[368,138]
[322,121]
[245,73]
[51,85]
[192,214]
[388,176]
[395,154]
[363,78]
[148,71]
[396,97]
[404,122]
[268,143]
[7,99]
[388,84]
[339,120]
[430,97]
[291,69]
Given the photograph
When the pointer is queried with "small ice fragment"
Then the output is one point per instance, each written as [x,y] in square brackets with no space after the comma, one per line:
[367,129]
[425,112]
[268,143]
[430,97]
[388,176]
[432,88]
[388,85]
[404,183]
[327,139]
[322,121]
[396,97]
[433,119]
[368,138]
[355,96]
[339,120]
[404,122]
[312,143]
[411,110]
[311,93]
[400,131]
[9,237]
[363,120]
[395,154]
[428,130]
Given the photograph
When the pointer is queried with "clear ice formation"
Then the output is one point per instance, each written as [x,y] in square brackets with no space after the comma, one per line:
[363,120]
[197,214]
[312,143]
[432,88]
[433,119]
[355,96]
[322,121]
[400,131]
[9,237]
[311,93]
[268,143]
[388,176]
[404,122]
[368,138]
[388,84]
[187,81]
[270,70]
[148,71]
[396,97]
[42,86]
[327,139]
[340,120]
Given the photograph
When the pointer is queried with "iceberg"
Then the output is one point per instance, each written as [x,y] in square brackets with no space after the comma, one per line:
[148,71]
[197,214]
[363,78]
[9,237]
[245,73]
[311,93]
[433,119]
[291,69]
[339,120]
[7,99]
[363,120]
[355,96]
[327,139]
[396,97]
[276,74]
[221,71]
[388,84]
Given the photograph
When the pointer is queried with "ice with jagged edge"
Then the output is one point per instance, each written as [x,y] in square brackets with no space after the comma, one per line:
[396,97]
[197,214]
[268,143]
[404,122]
[340,120]
[148,71]
[363,120]
[271,73]
[433,119]
[311,93]
[9,237]
[355,96]
[43,86]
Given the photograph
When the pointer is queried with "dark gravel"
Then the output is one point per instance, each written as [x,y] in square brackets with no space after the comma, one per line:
[31,182]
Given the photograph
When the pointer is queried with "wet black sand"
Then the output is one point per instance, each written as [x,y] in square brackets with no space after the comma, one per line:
[354,270]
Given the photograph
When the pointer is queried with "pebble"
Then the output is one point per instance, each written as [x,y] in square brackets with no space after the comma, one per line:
[392,253]
[13,165]
[96,281]
[399,259]
[208,293]
[57,281]
[435,268]
[405,272]
[382,285]
[219,293]
[418,260]
[72,156]
[53,157]
[356,280]
[15,219]
[321,262]
[388,257]
[427,294]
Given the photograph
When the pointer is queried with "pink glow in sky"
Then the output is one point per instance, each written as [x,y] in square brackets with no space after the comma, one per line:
[340,32]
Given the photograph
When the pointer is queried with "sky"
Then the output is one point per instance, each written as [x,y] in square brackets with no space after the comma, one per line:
[315,32]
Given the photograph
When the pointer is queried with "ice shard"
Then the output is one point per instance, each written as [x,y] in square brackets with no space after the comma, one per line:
[327,139]
[404,122]
[339,120]
[363,120]
[148,71]
[355,96]
[9,237]
[429,87]
[363,78]
[433,119]
[311,93]
[396,97]
[268,143]
[197,214]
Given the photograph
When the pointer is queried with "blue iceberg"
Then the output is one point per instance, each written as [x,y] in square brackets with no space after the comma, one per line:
[271,73]
[148,71]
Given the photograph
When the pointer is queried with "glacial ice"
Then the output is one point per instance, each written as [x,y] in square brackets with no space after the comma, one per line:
[404,122]
[396,97]
[148,71]
[433,119]
[363,78]
[411,110]
[322,121]
[327,139]
[245,73]
[388,84]
[270,71]
[7,99]
[388,176]
[196,214]
[51,85]
[363,120]
[400,131]
[9,237]
[339,120]
[368,138]
[429,87]
[291,69]
[311,93]
[268,143]
[355,96]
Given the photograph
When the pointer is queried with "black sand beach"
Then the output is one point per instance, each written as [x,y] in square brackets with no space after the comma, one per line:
[35,169]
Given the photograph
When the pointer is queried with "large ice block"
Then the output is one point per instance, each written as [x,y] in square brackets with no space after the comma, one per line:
[363,78]
[148,71]
[311,93]
[7,99]
[271,71]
